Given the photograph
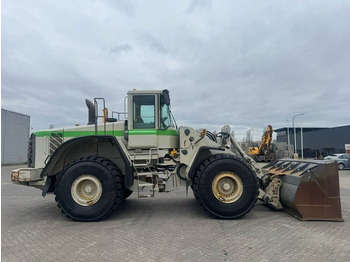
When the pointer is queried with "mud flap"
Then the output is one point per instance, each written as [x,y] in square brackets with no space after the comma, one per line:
[309,189]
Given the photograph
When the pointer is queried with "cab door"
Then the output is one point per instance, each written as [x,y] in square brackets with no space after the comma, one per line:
[143,121]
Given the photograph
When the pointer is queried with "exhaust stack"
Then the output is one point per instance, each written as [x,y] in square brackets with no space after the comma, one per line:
[91,115]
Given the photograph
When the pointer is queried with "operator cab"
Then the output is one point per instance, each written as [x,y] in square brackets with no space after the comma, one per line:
[150,118]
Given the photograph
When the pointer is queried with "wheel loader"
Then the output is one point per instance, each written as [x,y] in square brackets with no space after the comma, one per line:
[92,169]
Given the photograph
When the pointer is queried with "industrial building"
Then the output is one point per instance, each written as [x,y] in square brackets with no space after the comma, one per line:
[15,129]
[316,140]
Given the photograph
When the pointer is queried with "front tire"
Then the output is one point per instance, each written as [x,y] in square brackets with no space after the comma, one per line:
[226,187]
[90,189]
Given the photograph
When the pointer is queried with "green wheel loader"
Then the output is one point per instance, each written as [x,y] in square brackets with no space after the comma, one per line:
[92,169]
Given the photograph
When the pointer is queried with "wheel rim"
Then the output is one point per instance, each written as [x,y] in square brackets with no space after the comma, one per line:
[86,190]
[227,187]
[341,166]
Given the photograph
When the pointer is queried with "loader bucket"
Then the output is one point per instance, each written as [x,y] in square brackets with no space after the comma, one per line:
[309,189]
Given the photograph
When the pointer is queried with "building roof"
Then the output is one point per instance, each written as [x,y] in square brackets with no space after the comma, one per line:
[5,110]
[307,129]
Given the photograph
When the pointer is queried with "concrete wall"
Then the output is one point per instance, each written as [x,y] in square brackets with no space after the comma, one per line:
[15,130]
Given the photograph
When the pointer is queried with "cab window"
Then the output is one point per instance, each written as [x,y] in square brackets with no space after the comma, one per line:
[144,111]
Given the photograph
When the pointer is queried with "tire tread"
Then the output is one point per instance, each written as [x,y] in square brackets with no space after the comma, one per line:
[208,162]
[117,177]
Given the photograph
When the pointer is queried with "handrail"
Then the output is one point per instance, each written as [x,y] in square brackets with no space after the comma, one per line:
[96,99]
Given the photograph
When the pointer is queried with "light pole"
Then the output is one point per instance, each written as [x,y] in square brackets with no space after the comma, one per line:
[295,138]
[288,133]
[301,140]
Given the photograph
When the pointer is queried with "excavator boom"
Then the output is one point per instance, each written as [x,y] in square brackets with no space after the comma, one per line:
[266,139]
[263,151]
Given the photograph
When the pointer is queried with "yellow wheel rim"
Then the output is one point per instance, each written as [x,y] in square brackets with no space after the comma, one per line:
[227,187]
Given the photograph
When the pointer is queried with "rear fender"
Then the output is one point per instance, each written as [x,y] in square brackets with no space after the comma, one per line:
[105,146]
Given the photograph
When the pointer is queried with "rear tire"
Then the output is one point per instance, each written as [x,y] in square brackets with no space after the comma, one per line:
[128,192]
[226,187]
[341,166]
[89,189]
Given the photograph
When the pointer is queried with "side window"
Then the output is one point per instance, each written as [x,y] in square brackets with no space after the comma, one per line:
[144,111]
[165,119]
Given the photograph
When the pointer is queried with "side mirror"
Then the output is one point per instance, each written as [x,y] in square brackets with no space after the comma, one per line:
[166,97]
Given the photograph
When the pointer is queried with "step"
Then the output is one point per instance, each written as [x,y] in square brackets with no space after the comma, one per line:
[145,196]
[145,184]
[144,174]
[140,165]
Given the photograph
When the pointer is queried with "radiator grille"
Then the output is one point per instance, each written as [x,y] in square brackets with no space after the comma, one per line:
[55,141]
[31,151]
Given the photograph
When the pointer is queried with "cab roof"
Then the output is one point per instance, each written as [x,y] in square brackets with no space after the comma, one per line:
[134,91]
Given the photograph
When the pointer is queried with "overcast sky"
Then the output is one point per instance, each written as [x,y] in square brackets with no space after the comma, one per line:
[243,63]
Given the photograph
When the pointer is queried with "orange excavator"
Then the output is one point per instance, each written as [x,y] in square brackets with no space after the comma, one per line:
[264,153]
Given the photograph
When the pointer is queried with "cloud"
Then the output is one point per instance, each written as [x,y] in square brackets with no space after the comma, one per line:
[198,4]
[120,48]
[150,42]
[123,6]
[241,63]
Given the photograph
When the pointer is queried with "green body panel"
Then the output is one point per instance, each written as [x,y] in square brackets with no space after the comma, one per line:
[111,133]
[156,132]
